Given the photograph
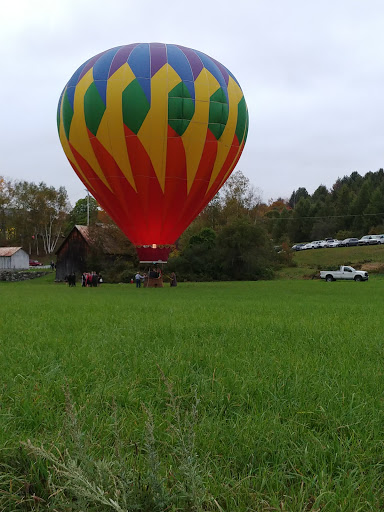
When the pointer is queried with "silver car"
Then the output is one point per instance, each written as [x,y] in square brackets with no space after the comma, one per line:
[349,242]
[379,238]
[368,240]
[333,243]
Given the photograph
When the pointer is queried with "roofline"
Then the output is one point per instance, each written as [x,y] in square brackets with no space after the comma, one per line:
[65,239]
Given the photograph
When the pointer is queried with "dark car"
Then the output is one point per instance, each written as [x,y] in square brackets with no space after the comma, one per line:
[35,263]
[297,247]
[349,242]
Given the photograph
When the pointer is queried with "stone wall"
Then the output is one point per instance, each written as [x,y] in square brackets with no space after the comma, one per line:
[14,275]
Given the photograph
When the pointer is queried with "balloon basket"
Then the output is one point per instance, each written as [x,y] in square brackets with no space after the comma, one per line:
[153,282]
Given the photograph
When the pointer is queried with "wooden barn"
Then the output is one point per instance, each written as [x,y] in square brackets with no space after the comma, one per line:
[13,258]
[74,253]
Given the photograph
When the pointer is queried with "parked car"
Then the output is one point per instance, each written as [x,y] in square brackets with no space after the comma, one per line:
[332,243]
[320,244]
[297,247]
[379,238]
[316,244]
[35,263]
[368,240]
[349,242]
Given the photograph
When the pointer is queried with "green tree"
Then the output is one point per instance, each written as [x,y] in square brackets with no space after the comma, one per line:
[245,251]
[320,194]
[212,215]
[300,225]
[84,208]
[198,260]
[300,193]
[359,206]
[206,236]
[375,208]
[238,196]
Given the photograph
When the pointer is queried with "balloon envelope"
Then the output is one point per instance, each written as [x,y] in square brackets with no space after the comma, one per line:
[153,131]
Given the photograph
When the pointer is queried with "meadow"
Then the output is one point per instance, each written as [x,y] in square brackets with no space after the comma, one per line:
[243,396]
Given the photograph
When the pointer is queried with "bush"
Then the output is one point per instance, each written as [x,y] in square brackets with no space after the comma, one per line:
[119,271]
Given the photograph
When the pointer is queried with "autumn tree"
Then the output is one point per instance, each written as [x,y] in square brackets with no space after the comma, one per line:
[38,214]
[5,199]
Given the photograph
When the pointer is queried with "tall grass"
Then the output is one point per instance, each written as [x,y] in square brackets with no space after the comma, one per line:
[220,396]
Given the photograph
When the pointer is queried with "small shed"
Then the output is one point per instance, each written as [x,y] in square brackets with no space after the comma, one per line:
[13,258]
[73,253]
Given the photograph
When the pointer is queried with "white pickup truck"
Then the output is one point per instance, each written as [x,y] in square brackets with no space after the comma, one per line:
[344,273]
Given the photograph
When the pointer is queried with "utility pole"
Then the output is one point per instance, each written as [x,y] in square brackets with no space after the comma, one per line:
[87,207]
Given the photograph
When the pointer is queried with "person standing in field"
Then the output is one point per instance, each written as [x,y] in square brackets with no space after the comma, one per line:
[173,279]
[95,279]
[138,278]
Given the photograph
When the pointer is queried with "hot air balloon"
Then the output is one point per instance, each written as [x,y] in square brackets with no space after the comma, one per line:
[153,131]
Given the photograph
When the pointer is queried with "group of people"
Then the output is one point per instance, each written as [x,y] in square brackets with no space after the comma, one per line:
[88,279]
[154,273]
[91,279]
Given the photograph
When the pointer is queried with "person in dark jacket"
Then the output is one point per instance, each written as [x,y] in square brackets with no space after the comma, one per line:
[95,279]
[173,279]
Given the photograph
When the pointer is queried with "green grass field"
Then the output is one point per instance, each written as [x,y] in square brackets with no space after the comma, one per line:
[206,397]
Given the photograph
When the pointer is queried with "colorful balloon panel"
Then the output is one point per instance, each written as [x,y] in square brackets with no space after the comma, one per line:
[153,131]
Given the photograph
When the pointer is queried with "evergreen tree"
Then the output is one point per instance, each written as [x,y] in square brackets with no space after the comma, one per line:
[300,193]
[300,225]
[359,206]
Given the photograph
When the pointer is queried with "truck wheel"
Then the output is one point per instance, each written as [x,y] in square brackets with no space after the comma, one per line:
[358,278]
[328,278]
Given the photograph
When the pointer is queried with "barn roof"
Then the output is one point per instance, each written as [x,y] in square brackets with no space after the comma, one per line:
[109,245]
[84,231]
[9,251]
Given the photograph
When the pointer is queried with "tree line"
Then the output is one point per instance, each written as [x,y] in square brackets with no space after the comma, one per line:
[237,235]
[353,207]
[32,215]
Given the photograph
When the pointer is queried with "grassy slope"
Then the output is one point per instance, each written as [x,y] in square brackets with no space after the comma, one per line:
[311,261]
[288,374]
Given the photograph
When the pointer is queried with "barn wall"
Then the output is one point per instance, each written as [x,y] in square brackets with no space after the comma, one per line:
[20,260]
[72,256]
[5,262]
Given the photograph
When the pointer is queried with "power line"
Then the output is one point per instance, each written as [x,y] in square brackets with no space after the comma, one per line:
[327,216]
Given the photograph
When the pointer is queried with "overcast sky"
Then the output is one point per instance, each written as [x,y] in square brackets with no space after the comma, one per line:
[312,72]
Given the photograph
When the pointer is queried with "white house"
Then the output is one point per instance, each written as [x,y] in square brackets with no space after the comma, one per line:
[13,258]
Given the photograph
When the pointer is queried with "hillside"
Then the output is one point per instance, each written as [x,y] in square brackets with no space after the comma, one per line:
[309,262]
